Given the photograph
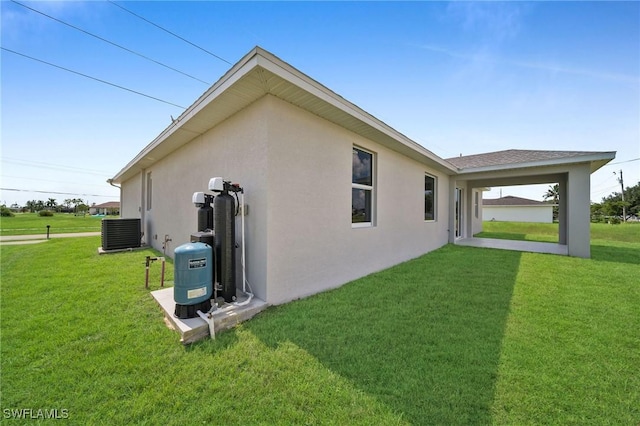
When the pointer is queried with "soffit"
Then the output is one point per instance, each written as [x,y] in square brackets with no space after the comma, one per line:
[256,75]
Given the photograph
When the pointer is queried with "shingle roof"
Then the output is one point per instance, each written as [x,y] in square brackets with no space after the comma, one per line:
[510,200]
[512,156]
[107,205]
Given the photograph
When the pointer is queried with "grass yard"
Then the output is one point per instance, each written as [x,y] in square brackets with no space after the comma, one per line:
[548,232]
[459,336]
[32,224]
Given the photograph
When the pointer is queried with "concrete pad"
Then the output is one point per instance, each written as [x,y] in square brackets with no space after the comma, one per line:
[194,329]
[516,245]
[103,251]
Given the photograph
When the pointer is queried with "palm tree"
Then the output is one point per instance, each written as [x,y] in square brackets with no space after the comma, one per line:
[31,205]
[554,193]
[51,203]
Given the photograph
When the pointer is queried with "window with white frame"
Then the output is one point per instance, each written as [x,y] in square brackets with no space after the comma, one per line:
[362,188]
[429,197]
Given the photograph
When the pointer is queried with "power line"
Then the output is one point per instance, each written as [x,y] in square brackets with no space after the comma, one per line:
[173,34]
[53,181]
[622,162]
[111,43]
[54,192]
[53,166]
[91,78]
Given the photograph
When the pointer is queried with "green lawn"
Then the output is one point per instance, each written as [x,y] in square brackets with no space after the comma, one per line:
[459,336]
[32,224]
[548,232]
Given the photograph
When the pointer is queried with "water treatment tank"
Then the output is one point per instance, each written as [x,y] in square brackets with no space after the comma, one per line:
[192,279]
[224,211]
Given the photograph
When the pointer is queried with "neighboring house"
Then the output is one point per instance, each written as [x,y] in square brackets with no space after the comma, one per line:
[516,209]
[108,208]
[305,157]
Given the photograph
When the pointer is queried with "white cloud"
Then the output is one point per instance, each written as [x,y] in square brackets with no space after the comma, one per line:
[482,56]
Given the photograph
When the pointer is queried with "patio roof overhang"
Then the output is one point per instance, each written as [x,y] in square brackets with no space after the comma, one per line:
[571,170]
[526,162]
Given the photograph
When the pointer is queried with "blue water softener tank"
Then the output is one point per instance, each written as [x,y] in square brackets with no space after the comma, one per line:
[192,279]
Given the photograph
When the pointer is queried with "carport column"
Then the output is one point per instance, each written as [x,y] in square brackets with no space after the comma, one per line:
[562,210]
[579,211]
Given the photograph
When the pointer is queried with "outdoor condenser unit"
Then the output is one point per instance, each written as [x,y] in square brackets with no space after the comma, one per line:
[120,234]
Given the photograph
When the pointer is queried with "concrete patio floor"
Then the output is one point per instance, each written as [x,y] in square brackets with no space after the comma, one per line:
[528,246]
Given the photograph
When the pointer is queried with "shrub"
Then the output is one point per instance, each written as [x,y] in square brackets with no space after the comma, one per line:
[45,213]
[614,221]
[5,212]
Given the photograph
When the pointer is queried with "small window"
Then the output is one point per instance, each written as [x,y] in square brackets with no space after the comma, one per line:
[149,191]
[429,197]
[362,188]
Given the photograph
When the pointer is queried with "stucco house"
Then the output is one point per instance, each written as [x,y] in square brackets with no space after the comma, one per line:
[108,208]
[516,209]
[306,158]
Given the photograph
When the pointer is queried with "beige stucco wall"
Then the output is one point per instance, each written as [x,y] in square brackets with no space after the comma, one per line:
[130,198]
[538,213]
[235,150]
[312,245]
[296,171]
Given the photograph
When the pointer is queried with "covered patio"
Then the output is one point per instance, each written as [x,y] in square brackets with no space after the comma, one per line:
[571,170]
[516,245]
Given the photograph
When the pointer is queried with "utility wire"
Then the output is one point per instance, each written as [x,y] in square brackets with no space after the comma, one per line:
[90,77]
[173,34]
[52,181]
[111,43]
[54,192]
[621,162]
[53,166]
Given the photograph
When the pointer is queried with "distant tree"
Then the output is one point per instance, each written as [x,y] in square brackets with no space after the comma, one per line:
[632,196]
[82,208]
[51,204]
[611,205]
[30,205]
[67,204]
[554,193]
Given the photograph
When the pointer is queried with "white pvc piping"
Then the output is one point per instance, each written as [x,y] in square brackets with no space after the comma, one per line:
[208,317]
[242,261]
[244,273]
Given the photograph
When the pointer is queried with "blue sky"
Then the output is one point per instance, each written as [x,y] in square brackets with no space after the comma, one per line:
[456,77]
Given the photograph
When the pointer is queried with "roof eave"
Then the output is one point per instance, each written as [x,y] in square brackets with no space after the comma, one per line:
[260,59]
[143,159]
[596,159]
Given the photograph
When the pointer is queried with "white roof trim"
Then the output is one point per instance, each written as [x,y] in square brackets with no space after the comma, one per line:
[259,58]
[589,158]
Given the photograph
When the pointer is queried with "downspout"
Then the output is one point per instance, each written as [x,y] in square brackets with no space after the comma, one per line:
[110,182]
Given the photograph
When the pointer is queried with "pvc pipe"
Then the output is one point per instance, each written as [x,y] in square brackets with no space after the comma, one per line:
[244,273]
[242,261]
[208,317]
[245,302]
